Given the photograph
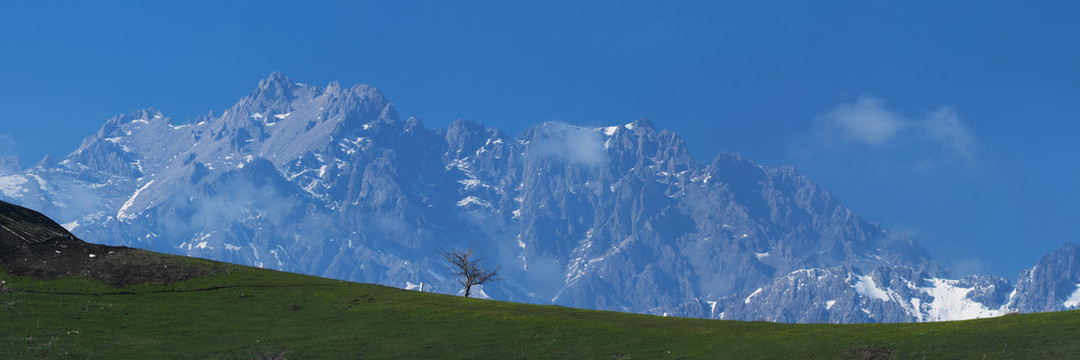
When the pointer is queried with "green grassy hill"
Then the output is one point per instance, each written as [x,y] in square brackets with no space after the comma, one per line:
[239,312]
[62,298]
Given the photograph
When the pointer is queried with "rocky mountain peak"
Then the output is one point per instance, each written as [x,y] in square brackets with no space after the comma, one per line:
[412,124]
[642,123]
[46,161]
[276,83]
[112,126]
[464,136]
[1052,284]
[273,94]
[389,113]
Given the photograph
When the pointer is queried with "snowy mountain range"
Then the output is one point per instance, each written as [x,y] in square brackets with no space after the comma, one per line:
[329,181]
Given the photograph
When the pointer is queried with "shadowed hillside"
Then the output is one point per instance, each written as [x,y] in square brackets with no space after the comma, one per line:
[33,245]
[22,227]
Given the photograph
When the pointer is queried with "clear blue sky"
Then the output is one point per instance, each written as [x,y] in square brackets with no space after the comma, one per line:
[954,122]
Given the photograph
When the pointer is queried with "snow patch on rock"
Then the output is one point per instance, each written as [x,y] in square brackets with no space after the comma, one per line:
[1073,299]
[867,287]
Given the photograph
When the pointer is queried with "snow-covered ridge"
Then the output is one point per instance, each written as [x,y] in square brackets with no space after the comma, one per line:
[866,286]
[951,302]
[122,213]
[610,130]
[1074,298]
[11,187]
[892,295]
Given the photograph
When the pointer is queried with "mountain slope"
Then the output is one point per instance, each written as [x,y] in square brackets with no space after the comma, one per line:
[35,246]
[242,312]
[329,181]
[23,227]
[253,313]
[1051,285]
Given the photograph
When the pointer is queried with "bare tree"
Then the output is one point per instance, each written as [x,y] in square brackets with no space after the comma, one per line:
[466,266]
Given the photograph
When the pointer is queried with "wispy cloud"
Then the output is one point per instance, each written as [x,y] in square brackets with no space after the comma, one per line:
[575,144]
[944,126]
[867,121]
[7,145]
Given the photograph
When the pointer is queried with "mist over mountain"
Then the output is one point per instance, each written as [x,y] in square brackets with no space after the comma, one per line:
[329,181]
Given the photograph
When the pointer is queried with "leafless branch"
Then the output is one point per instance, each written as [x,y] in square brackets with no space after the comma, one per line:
[466,267]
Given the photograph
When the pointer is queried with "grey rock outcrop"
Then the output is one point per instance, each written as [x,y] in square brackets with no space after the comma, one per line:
[1051,285]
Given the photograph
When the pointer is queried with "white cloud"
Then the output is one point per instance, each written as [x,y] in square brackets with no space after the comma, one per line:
[572,143]
[865,121]
[944,126]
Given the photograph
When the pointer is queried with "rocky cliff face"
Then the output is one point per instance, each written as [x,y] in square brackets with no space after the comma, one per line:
[330,181]
[846,294]
[1053,284]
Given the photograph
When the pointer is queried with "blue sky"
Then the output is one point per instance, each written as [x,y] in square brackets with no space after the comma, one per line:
[953,122]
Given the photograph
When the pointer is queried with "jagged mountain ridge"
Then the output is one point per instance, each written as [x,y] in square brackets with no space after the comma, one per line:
[329,181]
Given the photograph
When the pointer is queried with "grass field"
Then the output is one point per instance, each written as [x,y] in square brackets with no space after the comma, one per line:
[245,313]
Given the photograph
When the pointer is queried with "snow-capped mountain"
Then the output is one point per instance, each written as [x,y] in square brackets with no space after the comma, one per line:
[845,294]
[329,181]
[1053,284]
